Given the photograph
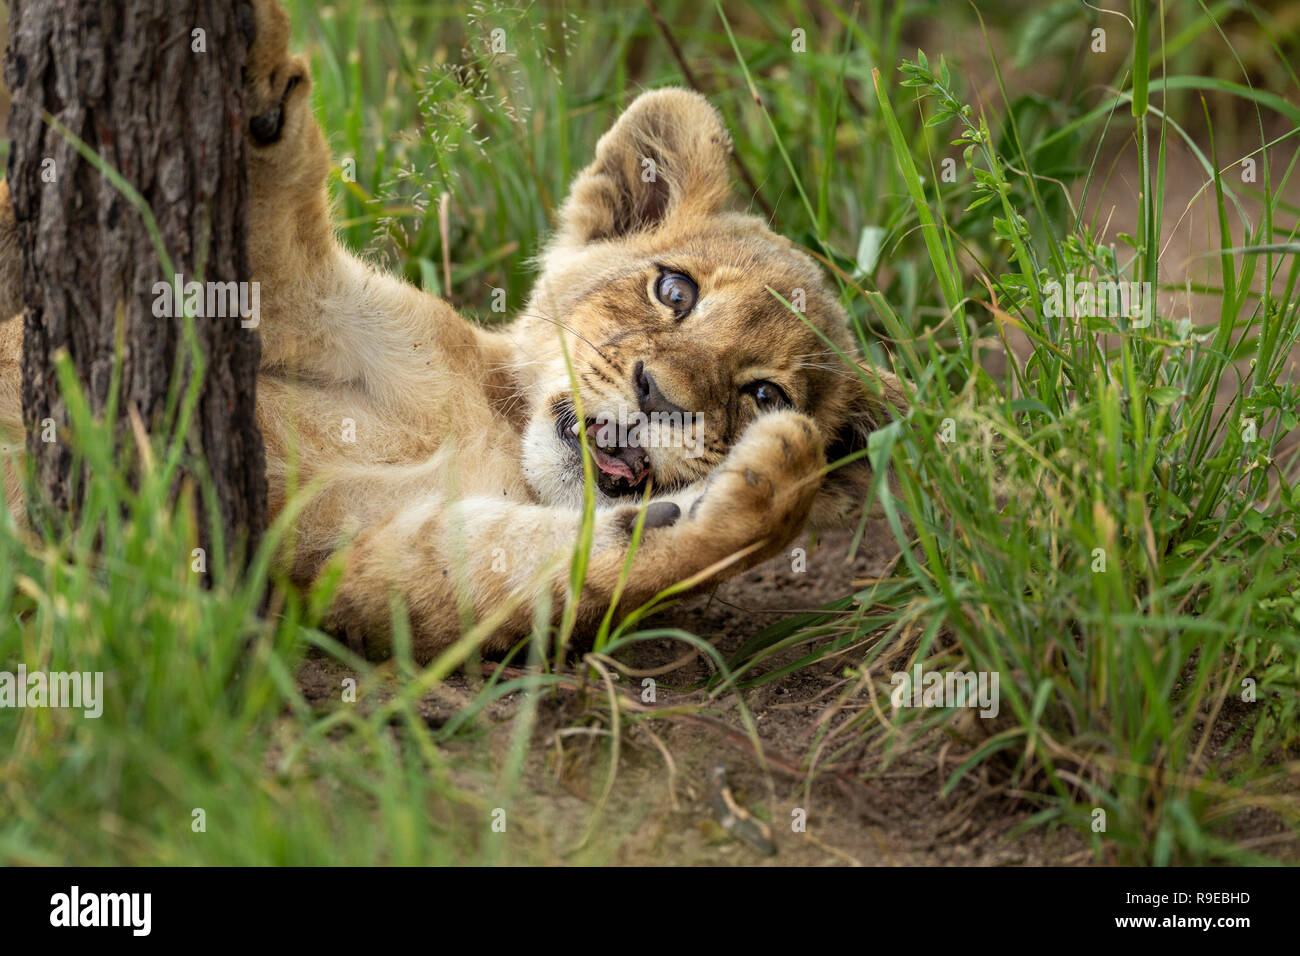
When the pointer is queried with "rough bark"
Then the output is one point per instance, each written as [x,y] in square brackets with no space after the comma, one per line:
[162,105]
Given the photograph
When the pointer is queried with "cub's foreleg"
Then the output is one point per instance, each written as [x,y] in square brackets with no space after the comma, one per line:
[485,558]
[326,316]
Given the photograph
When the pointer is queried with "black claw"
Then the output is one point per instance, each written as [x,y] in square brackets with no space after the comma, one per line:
[660,514]
[266,127]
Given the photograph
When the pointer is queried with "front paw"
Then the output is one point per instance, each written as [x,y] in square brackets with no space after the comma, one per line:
[275,83]
[765,488]
[288,159]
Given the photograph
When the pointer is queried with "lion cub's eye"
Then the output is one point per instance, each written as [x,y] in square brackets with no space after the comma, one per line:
[767,396]
[676,291]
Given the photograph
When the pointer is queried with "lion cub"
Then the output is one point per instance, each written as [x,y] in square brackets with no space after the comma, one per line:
[448,459]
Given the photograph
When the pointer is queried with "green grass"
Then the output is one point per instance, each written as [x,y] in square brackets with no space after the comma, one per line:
[1121,682]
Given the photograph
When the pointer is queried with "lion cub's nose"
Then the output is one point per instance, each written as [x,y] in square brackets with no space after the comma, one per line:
[648,395]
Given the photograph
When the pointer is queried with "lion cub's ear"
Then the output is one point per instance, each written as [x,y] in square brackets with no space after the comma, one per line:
[666,155]
[870,405]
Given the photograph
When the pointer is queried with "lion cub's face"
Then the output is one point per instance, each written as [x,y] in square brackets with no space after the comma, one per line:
[671,311]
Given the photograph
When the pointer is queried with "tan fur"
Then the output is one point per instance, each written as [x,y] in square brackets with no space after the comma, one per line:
[458,496]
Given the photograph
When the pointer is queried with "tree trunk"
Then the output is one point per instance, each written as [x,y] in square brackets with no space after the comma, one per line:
[154,87]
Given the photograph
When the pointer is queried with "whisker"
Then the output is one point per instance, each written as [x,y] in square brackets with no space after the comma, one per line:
[576,334]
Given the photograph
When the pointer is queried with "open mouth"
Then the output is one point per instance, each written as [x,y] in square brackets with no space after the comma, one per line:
[621,468]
